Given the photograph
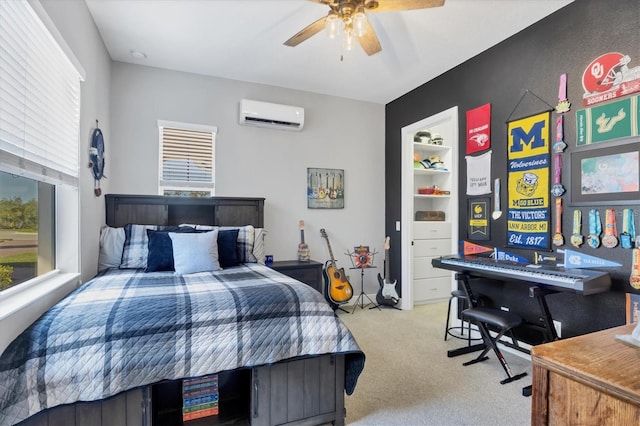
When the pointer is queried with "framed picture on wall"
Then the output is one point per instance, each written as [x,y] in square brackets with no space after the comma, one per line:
[325,188]
[606,175]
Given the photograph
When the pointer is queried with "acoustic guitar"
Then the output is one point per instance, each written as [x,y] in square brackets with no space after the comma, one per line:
[338,290]
[387,294]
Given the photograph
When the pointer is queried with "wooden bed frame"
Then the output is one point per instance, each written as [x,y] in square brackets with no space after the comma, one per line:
[307,391]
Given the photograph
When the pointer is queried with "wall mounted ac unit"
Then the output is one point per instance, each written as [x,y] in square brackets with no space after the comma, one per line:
[274,116]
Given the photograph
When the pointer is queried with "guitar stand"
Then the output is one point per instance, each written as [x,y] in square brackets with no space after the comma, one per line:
[385,306]
[342,309]
[362,293]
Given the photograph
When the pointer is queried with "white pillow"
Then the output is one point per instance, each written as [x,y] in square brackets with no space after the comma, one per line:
[246,241]
[195,252]
[111,245]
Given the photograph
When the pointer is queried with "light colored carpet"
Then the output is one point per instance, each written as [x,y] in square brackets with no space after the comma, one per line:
[409,380]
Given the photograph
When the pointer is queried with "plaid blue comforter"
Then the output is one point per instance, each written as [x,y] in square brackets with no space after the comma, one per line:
[126,328]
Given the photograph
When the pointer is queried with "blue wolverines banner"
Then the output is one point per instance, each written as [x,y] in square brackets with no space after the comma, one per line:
[528,178]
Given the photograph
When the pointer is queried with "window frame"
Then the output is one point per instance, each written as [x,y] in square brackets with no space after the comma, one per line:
[62,224]
[185,186]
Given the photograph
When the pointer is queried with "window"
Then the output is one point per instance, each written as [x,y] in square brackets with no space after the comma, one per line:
[39,146]
[26,219]
[187,155]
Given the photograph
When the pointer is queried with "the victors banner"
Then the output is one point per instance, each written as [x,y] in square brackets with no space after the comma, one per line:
[529,164]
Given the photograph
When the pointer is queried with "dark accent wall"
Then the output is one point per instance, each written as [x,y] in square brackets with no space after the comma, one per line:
[564,42]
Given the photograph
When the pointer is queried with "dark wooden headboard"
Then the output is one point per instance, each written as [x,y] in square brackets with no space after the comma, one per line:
[161,210]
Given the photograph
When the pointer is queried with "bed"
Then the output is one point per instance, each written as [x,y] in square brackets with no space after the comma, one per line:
[111,351]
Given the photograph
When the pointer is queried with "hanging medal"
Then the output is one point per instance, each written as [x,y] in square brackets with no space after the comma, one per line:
[634,279]
[559,145]
[595,228]
[557,190]
[628,229]
[558,240]
[610,239]
[576,237]
[563,104]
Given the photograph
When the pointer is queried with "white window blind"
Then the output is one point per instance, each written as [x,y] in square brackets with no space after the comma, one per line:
[187,157]
[39,99]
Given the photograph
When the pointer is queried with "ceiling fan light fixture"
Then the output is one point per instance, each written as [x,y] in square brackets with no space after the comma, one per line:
[333,24]
[359,22]
[349,19]
[347,40]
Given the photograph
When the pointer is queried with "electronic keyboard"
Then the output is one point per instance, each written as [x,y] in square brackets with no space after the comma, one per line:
[580,281]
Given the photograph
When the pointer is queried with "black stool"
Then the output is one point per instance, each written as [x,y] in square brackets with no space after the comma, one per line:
[503,322]
[458,294]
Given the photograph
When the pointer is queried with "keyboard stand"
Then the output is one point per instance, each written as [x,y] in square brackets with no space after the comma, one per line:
[550,333]
[539,294]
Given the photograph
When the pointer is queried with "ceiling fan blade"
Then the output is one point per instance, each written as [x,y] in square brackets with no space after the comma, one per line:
[307,32]
[396,5]
[369,41]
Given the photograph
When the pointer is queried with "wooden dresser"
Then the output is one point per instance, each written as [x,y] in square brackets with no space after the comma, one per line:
[592,379]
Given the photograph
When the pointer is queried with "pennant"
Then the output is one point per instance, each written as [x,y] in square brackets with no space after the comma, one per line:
[602,123]
[504,255]
[575,259]
[478,223]
[528,213]
[479,129]
[539,258]
[479,174]
[633,308]
[471,248]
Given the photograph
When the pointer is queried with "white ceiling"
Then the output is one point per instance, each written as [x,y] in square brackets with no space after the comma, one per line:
[243,40]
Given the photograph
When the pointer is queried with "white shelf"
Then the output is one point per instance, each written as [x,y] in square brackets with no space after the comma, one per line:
[431,196]
[430,147]
[431,171]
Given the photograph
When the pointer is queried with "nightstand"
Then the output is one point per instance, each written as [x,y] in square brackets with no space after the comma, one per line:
[308,272]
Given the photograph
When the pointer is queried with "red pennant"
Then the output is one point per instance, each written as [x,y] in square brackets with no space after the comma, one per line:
[479,129]
[471,248]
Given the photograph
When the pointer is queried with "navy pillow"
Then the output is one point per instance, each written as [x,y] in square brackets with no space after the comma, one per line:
[227,248]
[160,256]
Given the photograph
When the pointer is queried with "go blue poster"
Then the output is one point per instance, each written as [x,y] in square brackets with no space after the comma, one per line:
[528,182]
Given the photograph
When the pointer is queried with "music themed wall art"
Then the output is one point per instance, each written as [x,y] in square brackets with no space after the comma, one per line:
[325,188]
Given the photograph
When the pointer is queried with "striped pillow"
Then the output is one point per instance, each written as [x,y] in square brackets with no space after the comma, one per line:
[136,244]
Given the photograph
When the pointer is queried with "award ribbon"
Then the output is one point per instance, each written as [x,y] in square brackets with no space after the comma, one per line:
[557,190]
[610,239]
[576,237]
[595,228]
[634,279]
[558,240]
[559,145]
[628,229]
[563,104]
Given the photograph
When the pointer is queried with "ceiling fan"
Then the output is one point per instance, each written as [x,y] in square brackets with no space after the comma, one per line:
[348,17]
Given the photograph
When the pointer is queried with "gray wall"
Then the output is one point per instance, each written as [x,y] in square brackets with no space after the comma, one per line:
[338,133]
